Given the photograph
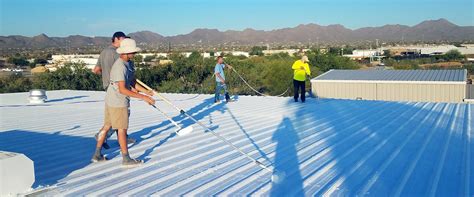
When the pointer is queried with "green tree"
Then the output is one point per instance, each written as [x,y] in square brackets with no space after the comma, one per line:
[453,55]
[278,76]
[470,68]
[138,60]
[267,74]
[18,61]
[73,76]
[195,58]
[40,61]
[335,51]
[257,50]
[15,83]
[387,54]
[149,58]
[326,62]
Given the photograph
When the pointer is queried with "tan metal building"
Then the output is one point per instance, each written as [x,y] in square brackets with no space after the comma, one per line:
[393,85]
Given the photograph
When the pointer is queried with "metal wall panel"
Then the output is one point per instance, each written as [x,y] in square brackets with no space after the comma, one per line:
[453,93]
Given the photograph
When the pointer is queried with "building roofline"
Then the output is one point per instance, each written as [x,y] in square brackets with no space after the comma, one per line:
[317,79]
[392,82]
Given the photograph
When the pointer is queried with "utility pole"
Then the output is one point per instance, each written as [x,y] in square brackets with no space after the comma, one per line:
[377,46]
[370,53]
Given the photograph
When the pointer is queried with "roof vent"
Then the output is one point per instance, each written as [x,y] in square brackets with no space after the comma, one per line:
[37,96]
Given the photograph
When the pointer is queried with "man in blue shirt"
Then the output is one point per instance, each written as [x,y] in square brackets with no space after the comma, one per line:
[220,79]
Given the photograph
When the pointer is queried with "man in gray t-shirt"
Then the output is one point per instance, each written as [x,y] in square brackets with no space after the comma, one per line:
[117,102]
[107,58]
[121,71]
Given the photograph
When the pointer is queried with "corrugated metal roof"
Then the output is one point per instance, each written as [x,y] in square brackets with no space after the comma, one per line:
[342,147]
[396,75]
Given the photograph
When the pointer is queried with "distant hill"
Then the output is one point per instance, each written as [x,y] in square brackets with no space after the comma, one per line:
[430,30]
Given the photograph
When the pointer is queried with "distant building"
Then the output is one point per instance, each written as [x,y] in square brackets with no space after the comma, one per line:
[90,60]
[234,53]
[290,52]
[430,49]
[393,85]
[68,57]
[362,54]
[144,55]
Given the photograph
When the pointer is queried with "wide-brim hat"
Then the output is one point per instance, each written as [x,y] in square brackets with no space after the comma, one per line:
[128,45]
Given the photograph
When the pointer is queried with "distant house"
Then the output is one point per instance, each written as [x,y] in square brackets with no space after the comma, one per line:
[361,54]
[393,85]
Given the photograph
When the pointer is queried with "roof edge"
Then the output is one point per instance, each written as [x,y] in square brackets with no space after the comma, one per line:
[392,82]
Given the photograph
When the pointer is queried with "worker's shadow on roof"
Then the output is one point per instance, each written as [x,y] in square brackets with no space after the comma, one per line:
[345,142]
[55,156]
[286,160]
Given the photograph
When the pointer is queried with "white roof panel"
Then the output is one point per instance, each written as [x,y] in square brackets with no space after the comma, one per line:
[343,147]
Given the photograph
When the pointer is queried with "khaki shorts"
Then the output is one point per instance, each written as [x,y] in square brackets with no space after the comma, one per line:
[117,117]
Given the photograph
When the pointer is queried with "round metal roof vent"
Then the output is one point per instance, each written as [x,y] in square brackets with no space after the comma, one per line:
[37,96]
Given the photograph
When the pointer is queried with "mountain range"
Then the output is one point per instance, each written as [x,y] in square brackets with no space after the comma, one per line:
[430,30]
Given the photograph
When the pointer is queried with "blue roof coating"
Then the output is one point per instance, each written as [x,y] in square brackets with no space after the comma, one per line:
[326,146]
[396,75]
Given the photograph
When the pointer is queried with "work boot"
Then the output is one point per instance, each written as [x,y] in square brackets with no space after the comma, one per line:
[227,97]
[98,157]
[129,162]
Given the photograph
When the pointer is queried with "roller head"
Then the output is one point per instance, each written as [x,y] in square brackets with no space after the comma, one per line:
[185,131]
[278,177]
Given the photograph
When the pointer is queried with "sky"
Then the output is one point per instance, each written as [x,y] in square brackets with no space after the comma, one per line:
[174,17]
